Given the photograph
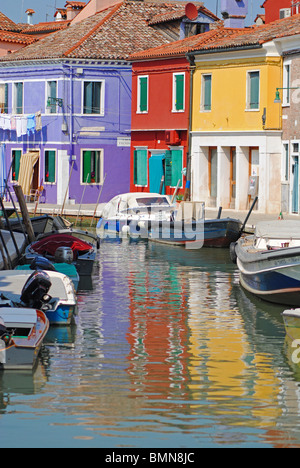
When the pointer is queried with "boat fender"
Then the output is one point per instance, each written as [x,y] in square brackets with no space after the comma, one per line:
[232,252]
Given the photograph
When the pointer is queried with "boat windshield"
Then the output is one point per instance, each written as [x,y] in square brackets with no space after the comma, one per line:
[146,201]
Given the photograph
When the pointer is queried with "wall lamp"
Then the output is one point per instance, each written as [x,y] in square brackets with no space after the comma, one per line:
[52,100]
[277,99]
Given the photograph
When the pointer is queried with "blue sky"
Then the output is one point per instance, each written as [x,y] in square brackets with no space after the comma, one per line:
[45,9]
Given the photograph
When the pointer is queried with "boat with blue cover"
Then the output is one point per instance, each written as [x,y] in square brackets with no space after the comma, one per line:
[269,261]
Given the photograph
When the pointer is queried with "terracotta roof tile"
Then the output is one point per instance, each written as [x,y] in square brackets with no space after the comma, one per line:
[7,24]
[113,33]
[178,14]
[46,27]
[225,38]
[15,37]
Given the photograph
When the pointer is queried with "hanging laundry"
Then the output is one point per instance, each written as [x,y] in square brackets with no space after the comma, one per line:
[1,121]
[7,124]
[19,126]
[24,125]
[30,124]
[38,121]
[13,122]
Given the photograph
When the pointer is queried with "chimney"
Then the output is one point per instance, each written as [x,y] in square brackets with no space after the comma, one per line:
[29,14]
[73,8]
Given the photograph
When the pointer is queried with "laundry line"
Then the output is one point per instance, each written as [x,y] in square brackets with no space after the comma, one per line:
[22,124]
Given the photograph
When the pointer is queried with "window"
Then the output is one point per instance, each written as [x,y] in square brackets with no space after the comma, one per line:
[142,94]
[18,98]
[206,93]
[178,92]
[51,105]
[93,97]
[173,168]
[253,90]
[4,98]
[50,166]
[140,176]
[286,84]
[192,29]
[15,168]
[91,167]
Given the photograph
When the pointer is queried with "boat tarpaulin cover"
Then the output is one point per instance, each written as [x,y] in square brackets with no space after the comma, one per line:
[27,163]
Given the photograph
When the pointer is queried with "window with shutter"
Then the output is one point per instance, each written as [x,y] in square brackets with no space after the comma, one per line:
[51,96]
[4,98]
[143,94]
[15,168]
[92,97]
[178,99]
[50,166]
[91,167]
[18,98]
[253,87]
[173,168]
[206,93]
[140,167]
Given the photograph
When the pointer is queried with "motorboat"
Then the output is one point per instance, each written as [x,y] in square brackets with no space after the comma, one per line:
[49,291]
[22,332]
[131,214]
[153,216]
[40,224]
[291,320]
[42,263]
[269,261]
[65,246]
[12,246]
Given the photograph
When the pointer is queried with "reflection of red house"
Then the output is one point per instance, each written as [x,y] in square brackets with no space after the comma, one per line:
[160,122]
[277,9]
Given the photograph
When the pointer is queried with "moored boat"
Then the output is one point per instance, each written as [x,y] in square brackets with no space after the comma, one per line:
[22,332]
[51,291]
[269,261]
[65,247]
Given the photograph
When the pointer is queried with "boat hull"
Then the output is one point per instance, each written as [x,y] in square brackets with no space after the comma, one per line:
[217,232]
[270,275]
[22,353]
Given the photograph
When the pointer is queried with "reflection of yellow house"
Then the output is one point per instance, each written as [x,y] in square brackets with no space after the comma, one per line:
[236,126]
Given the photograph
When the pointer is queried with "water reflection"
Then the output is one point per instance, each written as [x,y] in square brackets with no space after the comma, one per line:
[167,351]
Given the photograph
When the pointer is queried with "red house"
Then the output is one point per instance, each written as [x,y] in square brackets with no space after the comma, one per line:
[278,9]
[160,122]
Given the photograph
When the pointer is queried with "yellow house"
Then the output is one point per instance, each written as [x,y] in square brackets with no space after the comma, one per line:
[236,127]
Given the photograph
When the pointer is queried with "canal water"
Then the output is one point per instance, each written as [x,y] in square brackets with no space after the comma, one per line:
[167,352]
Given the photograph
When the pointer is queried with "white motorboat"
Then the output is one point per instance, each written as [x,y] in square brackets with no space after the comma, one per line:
[50,291]
[269,261]
[22,332]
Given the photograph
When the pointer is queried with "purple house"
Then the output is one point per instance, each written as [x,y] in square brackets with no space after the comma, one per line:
[65,101]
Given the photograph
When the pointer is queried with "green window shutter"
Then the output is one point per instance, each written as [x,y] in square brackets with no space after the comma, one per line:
[6,98]
[19,98]
[87,164]
[143,94]
[88,96]
[168,168]
[50,166]
[52,94]
[207,92]
[140,167]
[179,84]
[254,90]
[16,154]
[176,167]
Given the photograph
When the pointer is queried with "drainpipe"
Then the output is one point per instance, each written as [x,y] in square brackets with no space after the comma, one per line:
[187,194]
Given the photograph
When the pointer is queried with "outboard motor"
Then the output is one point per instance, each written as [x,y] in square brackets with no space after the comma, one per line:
[42,263]
[64,255]
[35,291]
[5,335]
